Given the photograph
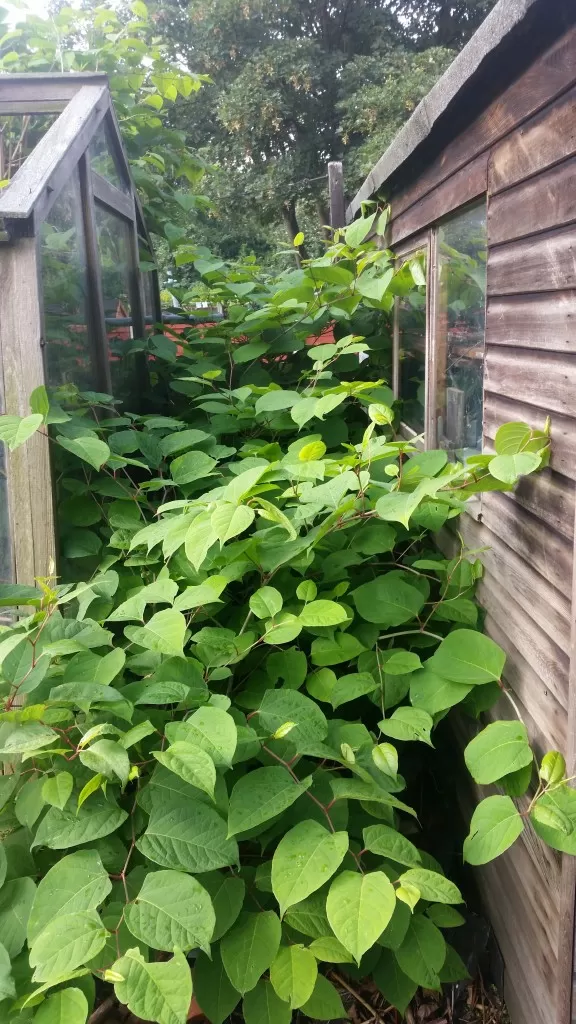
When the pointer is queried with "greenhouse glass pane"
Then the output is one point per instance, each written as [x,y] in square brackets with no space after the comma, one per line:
[102,159]
[460,330]
[114,248]
[19,134]
[64,283]
[411,328]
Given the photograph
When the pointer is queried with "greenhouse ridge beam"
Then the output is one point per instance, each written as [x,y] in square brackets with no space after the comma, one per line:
[39,93]
[33,188]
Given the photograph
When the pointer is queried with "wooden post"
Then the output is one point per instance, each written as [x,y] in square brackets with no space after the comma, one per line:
[336,188]
[29,476]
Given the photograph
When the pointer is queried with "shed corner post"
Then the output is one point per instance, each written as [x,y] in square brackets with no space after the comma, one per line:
[30,493]
[336,189]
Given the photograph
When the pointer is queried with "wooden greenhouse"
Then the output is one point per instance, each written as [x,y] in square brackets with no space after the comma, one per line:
[72,242]
[482,184]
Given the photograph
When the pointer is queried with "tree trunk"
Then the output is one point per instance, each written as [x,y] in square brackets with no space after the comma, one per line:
[324,218]
[291,221]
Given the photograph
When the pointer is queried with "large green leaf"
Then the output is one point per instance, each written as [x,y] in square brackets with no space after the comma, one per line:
[212,730]
[323,613]
[466,656]
[250,947]
[75,883]
[495,825]
[432,886]
[431,693]
[227,895]
[387,842]
[163,633]
[501,748]
[188,837]
[61,829]
[192,466]
[215,994]
[68,1006]
[191,763]
[57,789]
[266,602]
[335,650]
[229,520]
[15,430]
[305,858]
[261,795]
[22,738]
[293,974]
[171,909]
[89,449]
[67,942]
[154,991]
[422,954]
[7,984]
[509,468]
[388,601]
[108,758]
[394,985]
[324,1003]
[408,724]
[281,706]
[16,899]
[309,916]
[262,1005]
[350,687]
[359,907]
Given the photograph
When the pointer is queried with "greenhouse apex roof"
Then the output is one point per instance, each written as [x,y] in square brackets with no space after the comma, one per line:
[506,38]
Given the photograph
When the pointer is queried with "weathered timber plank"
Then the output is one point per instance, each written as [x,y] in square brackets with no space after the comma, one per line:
[499,409]
[546,321]
[515,575]
[544,140]
[546,551]
[466,184]
[29,476]
[542,379]
[548,496]
[541,263]
[547,660]
[540,84]
[544,202]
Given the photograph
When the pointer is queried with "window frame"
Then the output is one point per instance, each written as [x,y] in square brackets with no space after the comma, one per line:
[422,243]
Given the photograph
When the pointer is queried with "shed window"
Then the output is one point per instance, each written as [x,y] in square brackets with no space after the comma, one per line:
[459,331]
[410,345]
[64,283]
[102,158]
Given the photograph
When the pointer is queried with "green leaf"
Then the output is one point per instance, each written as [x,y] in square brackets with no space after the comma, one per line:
[75,883]
[262,1006]
[211,729]
[59,830]
[355,233]
[29,802]
[323,613]
[501,748]
[266,603]
[227,895]
[444,916]
[320,684]
[3,865]
[171,910]
[423,952]
[394,985]
[388,601]
[281,630]
[68,1006]
[555,818]
[192,764]
[154,991]
[20,739]
[7,985]
[176,838]
[13,594]
[89,449]
[359,907]
[401,662]
[212,988]
[350,687]
[454,969]
[192,466]
[466,656]
[67,942]
[511,438]
[387,842]
[250,948]
[260,795]
[275,401]
[509,468]
[108,758]
[495,825]
[432,886]
[15,430]
[16,899]
[328,949]
[229,520]
[293,974]
[163,633]
[408,724]
[335,650]
[55,791]
[207,592]
[553,767]
[280,706]
[431,693]
[385,757]
[305,858]
[324,1003]
[374,287]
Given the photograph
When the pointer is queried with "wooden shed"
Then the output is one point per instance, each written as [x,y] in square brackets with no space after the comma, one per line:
[482,183]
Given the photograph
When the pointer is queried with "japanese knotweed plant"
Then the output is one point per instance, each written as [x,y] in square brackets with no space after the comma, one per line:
[203,743]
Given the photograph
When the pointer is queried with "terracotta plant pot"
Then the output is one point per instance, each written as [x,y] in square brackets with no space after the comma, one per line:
[195,1013]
